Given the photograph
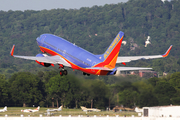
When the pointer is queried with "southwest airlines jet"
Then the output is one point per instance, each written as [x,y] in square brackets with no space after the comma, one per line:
[66,54]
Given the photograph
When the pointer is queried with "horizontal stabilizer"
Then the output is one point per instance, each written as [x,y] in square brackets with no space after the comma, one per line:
[100,68]
[131,68]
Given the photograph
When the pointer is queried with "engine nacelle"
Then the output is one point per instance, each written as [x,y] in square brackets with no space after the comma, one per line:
[41,63]
[112,72]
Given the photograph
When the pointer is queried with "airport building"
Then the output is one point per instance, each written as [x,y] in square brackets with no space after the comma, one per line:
[161,111]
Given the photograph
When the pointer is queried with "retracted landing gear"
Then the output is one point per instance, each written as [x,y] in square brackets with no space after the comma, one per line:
[63,71]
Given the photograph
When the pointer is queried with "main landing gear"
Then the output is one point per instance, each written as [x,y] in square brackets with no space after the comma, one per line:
[86,74]
[63,71]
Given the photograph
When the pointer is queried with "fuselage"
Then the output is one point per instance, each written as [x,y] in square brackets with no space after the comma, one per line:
[79,58]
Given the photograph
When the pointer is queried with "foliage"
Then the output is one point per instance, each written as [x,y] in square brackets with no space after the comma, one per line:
[24,89]
[28,89]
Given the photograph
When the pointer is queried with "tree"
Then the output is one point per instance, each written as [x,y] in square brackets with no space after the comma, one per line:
[147,99]
[128,98]
[58,87]
[164,92]
[153,81]
[3,90]
[76,90]
[175,80]
[24,89]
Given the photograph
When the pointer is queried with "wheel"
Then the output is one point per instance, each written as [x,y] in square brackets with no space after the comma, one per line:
[84,73]
[88,74]
[65,72]
[61,73]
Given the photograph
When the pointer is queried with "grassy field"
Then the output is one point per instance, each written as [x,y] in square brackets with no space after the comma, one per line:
[16,112]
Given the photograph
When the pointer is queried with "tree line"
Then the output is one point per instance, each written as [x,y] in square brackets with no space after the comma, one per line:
[49,89]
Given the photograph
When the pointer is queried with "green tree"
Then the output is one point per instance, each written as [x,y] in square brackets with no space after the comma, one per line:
[164,92]
[24,89]
[128,98]
[57,87]
[147,98]
[3,90]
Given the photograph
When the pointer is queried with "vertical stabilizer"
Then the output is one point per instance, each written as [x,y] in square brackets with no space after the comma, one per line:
[111,54]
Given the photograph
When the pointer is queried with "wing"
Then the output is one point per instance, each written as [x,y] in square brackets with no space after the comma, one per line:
[131,58]
[46,59]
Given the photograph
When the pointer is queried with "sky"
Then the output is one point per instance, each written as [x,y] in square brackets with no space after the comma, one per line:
[22,5]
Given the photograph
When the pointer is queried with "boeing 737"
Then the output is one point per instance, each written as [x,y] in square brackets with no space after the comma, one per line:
[67,54]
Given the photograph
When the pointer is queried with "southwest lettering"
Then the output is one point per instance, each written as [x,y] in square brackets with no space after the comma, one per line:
[112,46]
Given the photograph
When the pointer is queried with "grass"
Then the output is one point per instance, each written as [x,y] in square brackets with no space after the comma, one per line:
[16,112]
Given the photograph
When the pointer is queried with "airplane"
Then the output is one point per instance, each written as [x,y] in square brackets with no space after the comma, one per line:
[138,110]
[90,109]
[51,110]
[4,109]
[30,110]
[67,54]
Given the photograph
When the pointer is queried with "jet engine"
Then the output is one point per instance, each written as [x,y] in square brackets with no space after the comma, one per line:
[41,63]
[114,72]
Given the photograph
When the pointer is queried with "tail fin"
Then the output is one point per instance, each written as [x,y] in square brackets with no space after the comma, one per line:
[37,108]
[111,54]
[60,107]
[5,108]
[83,108]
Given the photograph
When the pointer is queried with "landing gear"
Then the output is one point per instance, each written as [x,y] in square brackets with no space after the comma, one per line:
[63,71]
[86,74]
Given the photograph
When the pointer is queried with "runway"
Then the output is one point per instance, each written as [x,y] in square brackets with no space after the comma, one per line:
[89,118]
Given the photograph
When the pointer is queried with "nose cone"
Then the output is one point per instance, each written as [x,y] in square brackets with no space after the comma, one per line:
[38,39]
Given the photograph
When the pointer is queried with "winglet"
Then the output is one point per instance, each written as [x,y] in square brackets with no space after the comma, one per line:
[167,52]
[12,50]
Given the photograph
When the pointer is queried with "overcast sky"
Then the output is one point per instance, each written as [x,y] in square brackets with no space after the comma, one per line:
[22,5]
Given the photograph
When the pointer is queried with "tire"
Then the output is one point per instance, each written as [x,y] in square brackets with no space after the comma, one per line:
[61,73]
[65,72]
